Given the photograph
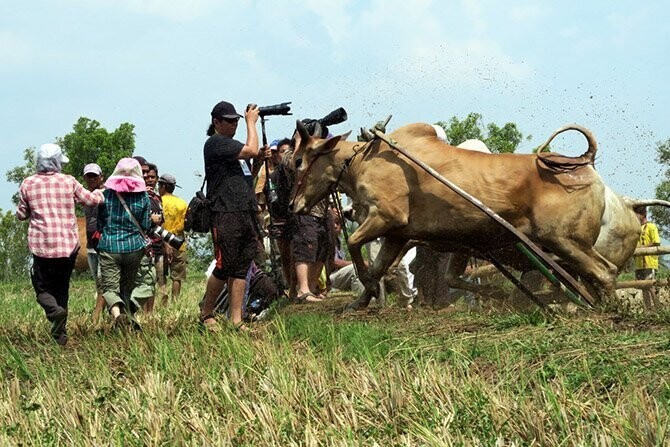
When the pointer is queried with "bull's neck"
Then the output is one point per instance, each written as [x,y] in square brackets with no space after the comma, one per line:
[349,154]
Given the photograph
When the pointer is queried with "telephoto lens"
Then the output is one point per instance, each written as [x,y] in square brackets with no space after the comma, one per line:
[175,241]
[276,109]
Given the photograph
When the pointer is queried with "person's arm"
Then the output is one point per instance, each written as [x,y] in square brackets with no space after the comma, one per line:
[145,221]
[259,163]
[339,263]
[654,238]
[86,197]
[250,149]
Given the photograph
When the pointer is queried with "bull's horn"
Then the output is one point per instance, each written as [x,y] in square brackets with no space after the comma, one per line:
[593,146]
[648,202]
[302,130]
[317,130]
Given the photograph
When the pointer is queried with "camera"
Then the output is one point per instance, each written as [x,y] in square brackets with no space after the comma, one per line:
[276,109]
[175,241]
[337,116]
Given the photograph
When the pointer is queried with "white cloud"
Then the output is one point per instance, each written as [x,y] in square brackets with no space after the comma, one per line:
[570,31]
[475,14]
[334,17]
[175,10]
[527,13]
[625,25]
[14,50]
[427,50]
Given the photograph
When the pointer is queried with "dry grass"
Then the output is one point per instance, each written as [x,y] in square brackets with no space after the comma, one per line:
[316,376]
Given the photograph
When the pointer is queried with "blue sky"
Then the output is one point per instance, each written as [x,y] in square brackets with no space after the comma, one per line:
[161,65]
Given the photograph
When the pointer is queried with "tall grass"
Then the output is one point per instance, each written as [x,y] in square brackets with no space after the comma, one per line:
[313,376]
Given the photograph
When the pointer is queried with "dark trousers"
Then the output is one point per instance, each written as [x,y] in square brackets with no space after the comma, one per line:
[51,281]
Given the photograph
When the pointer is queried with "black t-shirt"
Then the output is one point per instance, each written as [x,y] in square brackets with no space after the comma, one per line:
[229,182]
[282,179]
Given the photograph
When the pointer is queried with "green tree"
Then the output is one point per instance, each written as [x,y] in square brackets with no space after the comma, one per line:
[17,174]
[13,247]
[90,143]
[498,139]
[661,215]
[87,143]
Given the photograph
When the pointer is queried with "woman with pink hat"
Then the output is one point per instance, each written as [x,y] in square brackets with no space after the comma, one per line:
[123,220]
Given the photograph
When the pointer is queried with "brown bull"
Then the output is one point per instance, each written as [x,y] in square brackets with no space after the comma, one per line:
[556,201]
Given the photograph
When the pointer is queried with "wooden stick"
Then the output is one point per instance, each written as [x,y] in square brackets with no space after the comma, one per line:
[641,284]
[652,251]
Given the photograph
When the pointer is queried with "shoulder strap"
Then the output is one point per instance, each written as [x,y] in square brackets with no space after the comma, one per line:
[132,217]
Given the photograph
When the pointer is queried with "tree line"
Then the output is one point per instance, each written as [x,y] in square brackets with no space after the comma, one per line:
[89,141]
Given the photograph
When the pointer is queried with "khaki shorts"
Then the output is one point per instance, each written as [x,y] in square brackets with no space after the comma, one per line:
[178,265]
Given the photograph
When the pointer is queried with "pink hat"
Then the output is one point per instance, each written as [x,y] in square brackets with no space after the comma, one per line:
[127,177]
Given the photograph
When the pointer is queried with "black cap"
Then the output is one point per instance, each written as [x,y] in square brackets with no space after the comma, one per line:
[141,160]
[225,109]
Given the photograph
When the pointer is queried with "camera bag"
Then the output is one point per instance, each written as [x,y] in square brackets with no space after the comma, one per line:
[199,212]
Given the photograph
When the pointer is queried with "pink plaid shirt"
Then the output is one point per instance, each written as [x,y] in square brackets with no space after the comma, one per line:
[47,199]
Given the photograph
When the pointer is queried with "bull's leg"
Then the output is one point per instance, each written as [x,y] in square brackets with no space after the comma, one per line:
[387,254]
[589,264]
[456,266]
[372,227]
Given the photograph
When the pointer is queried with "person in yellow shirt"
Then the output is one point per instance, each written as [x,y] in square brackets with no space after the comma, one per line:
[646,266]
[174,211]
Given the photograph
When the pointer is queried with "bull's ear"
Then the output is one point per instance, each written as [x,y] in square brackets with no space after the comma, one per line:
[327,145]
[302,130]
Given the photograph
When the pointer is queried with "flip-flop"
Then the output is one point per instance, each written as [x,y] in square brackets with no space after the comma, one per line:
[210,324]
[304,298]
[242,328]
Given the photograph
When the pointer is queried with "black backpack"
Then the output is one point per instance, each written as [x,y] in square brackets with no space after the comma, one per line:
[199,213]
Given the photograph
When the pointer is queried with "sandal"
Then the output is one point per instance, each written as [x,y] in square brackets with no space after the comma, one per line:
[210,324]
[242,328]
[308,297]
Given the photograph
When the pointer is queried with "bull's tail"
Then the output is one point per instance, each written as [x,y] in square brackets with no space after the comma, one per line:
[646,202]
[590,153]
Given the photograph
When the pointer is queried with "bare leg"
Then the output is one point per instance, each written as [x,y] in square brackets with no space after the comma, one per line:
[287,266]
[214,288]
[302,274]
[314,273]
[236,290]
[149,305]
[176,289]
[99,306]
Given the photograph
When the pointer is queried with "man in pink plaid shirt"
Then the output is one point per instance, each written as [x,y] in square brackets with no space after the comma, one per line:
[47,199]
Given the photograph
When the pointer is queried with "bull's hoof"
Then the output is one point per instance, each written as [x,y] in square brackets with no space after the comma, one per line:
[356,305]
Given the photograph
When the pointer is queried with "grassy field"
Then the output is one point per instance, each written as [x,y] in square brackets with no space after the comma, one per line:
[316,376]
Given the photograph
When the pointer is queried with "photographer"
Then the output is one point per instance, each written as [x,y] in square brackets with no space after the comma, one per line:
[280,230]
[234,226]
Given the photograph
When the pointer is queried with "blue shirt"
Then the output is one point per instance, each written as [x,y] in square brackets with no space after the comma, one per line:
[119,234]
